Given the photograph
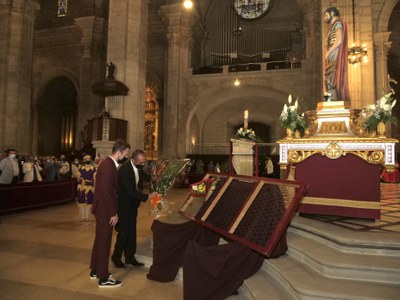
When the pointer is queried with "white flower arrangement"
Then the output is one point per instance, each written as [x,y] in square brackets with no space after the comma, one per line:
[247,134]
[381,111]
[290,118]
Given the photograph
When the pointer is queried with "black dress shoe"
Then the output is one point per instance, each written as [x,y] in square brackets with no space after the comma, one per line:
[117,262]
[134,262]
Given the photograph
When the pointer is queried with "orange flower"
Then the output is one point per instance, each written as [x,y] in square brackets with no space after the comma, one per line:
[154,200]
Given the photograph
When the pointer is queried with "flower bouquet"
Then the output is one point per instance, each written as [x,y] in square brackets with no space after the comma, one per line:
[163,174]
[203,187]
[379,112]
[290,117]
[247,134]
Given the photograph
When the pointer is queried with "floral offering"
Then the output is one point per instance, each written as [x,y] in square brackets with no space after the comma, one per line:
[247,134]
[381,111]
[163,175]
[290,117]
[201,189]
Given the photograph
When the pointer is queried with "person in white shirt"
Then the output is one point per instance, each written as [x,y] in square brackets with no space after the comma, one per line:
[269,167]
[32,170]
[9,168]
[64,170]
[75,169]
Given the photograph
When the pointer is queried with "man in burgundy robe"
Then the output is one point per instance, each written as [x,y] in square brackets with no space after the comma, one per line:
[336,85]
[105,209]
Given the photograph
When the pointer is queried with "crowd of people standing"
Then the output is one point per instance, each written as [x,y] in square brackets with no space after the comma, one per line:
[16,169]
[110,189]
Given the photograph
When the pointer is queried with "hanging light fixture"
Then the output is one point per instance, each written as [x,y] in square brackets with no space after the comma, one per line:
[237,82]
[188,4]
[357,53]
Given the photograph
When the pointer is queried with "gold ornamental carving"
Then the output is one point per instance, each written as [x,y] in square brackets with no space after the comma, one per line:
[333,151]
[296,156]
[341,202]
[373,157]
[356,122]
[312,123]
[337,127]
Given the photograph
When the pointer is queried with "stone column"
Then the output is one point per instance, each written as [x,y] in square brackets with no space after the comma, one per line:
[92,68]
[311,45]
[382,46]
[16,43]
[127,48]
[179,34]
[364,28]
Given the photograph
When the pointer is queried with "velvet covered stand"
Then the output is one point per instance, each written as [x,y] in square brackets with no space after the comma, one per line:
[210,271]
[251,214]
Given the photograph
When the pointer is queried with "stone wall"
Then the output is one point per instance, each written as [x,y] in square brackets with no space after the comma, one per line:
[73,47]
[217,105]
[16,36]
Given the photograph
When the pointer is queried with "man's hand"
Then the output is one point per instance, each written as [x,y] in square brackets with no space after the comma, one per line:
[114,220]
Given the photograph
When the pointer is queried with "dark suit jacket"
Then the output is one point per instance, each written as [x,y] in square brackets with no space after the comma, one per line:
[129,197]
[105,193]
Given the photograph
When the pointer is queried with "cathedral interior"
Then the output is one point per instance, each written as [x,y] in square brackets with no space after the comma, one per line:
[179,66]
[178,79]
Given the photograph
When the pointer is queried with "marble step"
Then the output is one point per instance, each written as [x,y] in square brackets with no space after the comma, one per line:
[263,285]
[332,262]
[306,283]
[346,240]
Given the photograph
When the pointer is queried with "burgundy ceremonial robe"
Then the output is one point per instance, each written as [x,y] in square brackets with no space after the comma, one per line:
[104,207]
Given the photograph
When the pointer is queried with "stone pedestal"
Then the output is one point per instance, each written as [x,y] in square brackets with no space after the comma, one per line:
[242,157]
[333,119]
[103,148]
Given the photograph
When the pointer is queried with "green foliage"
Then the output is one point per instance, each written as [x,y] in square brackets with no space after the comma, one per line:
[381,111]
[290,117]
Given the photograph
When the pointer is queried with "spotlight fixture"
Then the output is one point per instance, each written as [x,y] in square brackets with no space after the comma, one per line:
[188,4]
[237,82]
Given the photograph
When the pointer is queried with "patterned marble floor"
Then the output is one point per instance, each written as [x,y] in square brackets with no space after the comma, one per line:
[390,214]
[44,254]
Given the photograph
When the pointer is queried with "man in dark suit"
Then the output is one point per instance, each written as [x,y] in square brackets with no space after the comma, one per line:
[105,209]
[130,183]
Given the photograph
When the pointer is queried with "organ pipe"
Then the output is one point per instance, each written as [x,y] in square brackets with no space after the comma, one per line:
[249,46]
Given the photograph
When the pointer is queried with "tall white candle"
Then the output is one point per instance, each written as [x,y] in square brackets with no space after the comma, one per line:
[246,119]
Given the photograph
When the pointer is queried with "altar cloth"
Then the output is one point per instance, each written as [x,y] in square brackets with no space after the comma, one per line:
[347,186]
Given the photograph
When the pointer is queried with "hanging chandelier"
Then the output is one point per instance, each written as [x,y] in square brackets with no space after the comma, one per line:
[356,53]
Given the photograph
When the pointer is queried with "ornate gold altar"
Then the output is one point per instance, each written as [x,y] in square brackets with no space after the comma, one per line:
[339,161]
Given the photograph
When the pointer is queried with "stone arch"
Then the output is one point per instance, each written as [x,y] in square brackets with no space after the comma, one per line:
[384,15]
[49,77]
[38,92]
[220,95]
[55,115]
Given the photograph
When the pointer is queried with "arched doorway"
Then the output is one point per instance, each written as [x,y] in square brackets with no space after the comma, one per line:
[57,114]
